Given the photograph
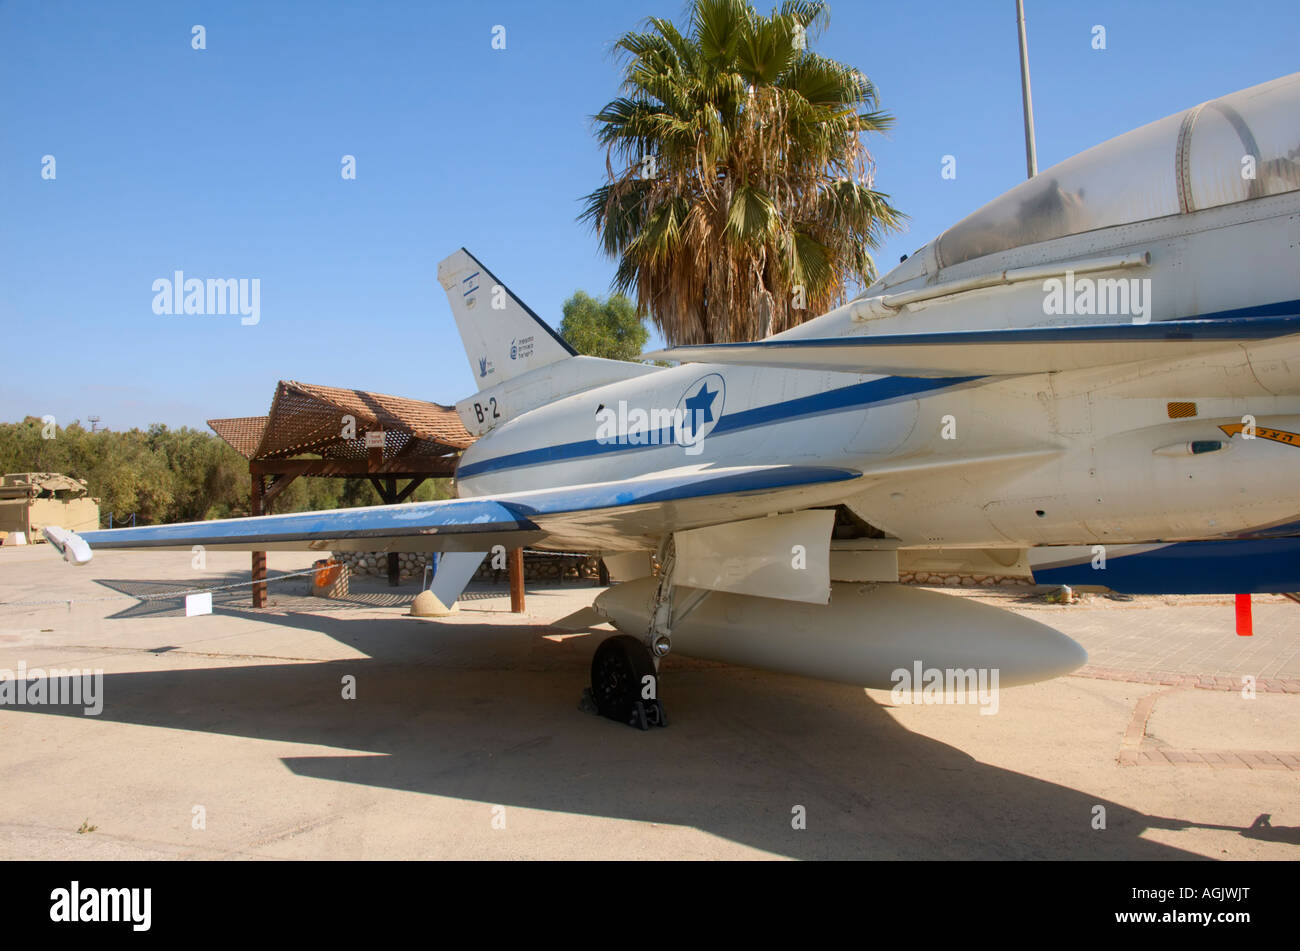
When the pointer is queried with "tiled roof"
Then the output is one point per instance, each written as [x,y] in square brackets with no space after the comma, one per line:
[243,433]
[333,421]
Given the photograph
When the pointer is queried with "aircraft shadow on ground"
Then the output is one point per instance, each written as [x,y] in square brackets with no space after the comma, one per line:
[167,598]
[489,713]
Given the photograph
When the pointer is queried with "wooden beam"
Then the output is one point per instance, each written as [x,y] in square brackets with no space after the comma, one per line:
[278,485]
[515,562]
[388,493]
[407,468]
[410,487]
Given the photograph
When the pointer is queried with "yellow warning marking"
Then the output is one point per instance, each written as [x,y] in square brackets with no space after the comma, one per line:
[1263,432]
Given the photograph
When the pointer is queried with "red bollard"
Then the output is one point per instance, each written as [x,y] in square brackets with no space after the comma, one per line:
[1244,626]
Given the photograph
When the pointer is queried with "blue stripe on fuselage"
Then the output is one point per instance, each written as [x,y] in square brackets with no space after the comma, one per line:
[872,393]
[1256,566]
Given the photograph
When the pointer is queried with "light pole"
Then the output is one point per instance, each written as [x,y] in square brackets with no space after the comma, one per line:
[1031,153]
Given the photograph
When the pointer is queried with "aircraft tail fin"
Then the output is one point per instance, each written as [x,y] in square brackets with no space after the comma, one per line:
[503,338]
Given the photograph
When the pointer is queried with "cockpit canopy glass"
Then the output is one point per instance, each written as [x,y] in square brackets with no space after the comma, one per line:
[1245,145]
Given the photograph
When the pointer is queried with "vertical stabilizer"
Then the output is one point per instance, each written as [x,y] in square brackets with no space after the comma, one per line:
[503,338]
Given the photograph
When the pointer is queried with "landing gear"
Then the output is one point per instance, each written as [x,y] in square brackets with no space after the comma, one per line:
[624,670]
[624,685]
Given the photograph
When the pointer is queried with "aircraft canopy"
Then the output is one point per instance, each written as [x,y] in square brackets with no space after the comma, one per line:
[1200,158]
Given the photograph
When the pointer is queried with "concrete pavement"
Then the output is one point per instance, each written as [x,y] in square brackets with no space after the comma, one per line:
[229,736]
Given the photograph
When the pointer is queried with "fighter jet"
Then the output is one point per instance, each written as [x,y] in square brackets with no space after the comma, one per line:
[1093,379]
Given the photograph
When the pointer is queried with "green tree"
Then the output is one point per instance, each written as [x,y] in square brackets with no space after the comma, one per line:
[608,328]
[171,475]
[739,200]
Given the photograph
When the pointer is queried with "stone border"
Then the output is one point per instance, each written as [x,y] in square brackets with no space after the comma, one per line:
[1197,681]
[1131,752]
[1215,759]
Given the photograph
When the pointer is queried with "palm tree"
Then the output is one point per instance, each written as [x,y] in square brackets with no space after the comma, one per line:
[743,202]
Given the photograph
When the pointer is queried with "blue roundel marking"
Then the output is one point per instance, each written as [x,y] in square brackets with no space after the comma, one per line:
[701,407]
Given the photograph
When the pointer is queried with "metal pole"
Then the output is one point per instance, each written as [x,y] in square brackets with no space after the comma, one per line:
[1031,152]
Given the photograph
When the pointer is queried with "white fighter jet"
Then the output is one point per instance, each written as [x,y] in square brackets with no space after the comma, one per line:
[1093,379]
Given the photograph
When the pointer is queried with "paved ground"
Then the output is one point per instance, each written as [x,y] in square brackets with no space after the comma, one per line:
[227,736]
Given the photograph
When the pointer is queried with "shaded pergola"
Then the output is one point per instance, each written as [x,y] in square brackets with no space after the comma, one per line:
[340,433]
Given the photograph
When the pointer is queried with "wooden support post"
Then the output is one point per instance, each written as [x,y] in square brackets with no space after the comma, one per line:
[394,567]
[515,562]
[259,557]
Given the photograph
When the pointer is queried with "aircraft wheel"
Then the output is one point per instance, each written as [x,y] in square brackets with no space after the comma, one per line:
[618,670]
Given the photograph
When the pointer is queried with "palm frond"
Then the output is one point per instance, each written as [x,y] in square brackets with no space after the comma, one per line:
[737,172]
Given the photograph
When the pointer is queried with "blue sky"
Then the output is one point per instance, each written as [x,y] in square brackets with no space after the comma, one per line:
[225,162]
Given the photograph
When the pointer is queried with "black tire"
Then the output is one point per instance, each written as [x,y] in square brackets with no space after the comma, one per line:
[617,671]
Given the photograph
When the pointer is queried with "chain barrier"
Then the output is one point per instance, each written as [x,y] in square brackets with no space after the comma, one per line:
[163,596]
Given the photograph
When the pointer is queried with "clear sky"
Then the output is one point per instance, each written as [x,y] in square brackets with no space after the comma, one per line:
[225,163]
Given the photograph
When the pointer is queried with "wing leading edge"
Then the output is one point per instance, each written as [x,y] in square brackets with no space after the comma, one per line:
[604,516]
